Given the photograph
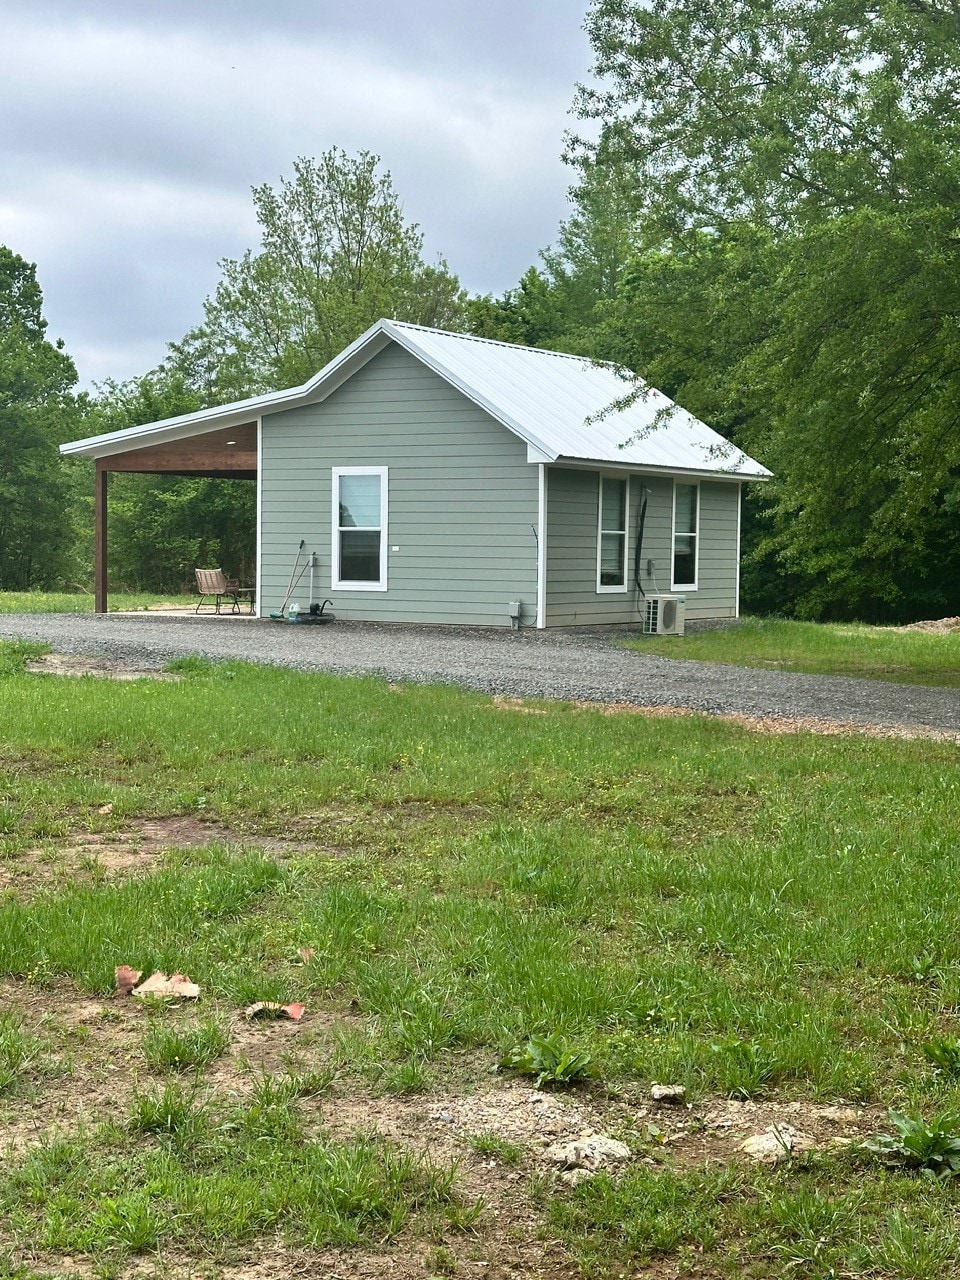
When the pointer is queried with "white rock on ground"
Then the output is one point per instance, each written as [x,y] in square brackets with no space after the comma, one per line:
[586,1155]
[674,1093]
[775,1144]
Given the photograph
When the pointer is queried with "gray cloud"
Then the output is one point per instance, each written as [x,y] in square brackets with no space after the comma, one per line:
[131,137]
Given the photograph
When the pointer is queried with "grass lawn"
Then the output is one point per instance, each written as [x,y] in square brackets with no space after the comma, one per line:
[840,649]
[446,882]
[82,602]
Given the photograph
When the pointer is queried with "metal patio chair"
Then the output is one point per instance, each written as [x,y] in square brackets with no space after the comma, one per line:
[212,583]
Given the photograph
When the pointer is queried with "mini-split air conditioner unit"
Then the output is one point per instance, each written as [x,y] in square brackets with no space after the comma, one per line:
[664,615]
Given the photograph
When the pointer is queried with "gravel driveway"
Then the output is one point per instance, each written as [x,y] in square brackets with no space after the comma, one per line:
[548,664]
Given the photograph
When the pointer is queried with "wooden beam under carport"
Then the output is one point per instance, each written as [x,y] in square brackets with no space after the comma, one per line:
[100,537]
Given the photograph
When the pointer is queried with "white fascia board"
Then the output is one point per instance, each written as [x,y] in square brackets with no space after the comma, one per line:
[595,464]
[239,412]
[409,344]
[181,428]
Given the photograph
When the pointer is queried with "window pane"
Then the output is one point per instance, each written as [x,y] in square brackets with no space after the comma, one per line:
[613,504]
[686,508]
[612,559]
[684,560]
[360,556]
[360,502]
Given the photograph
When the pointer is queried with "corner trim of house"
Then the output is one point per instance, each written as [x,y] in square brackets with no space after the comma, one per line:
[258,582]
[740,516]
[541,546]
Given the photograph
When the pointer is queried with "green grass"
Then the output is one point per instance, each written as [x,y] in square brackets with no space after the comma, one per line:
[680,899]
[184,1049]
[82,602]
[180,1170]
[821,1216]
[847,649]
[18,1050]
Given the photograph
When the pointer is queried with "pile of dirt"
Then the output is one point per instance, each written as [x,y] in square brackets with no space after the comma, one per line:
[936,626]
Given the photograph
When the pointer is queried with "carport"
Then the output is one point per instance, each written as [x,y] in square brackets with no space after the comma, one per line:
[227,453]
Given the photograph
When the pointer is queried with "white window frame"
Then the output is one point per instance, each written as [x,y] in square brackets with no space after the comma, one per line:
[607,589]
[336,582]
[686,586]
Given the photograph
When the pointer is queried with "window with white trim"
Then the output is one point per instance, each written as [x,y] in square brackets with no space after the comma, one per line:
[686,534]
[612,534]
[359,560]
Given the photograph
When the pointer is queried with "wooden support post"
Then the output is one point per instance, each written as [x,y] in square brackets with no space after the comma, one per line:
[100,538]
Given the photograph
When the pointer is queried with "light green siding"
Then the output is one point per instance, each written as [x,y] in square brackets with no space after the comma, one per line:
[462,498]
[716,596]
[571,572]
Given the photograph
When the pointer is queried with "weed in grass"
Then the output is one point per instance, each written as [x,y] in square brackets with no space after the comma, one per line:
[170,1111]
[916,1250]
[488,1143]
[18,1050]
[932,1149]
[272,1090]
[184,1049]
[924,968]
[411,1076]
[744,1068]
[441,1261]
[550,1059]
[944,1054]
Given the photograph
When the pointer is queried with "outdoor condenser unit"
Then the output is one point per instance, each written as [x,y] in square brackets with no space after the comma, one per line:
[664,615]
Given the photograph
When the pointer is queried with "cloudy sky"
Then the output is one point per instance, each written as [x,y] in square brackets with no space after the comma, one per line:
[131,132]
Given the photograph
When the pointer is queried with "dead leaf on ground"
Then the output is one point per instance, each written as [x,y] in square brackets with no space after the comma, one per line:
[126,978]
[271,1009]
[177,985]
[306,954]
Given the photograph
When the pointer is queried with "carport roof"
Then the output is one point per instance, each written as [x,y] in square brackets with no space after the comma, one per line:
[566,408]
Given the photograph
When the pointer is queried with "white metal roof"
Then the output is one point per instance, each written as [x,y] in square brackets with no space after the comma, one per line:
[554,402]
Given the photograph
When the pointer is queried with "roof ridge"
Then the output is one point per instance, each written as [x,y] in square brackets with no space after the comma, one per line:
[500,342]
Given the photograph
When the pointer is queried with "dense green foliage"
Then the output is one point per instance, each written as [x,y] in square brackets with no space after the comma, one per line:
[792,270]
[336,255]
[37,413]
[764,227]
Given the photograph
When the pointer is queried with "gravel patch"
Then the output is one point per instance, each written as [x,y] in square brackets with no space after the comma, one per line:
[576,664]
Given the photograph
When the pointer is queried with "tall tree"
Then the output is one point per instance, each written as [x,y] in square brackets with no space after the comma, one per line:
[799,161]
[336,255]
[37,413]
[560,304]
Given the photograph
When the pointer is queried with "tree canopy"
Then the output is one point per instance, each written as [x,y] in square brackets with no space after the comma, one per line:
[336,255]
[37,413]
[793,275]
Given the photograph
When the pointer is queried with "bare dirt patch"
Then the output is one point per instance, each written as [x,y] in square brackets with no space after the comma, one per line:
[62,664]
[778,724]
[138,847]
